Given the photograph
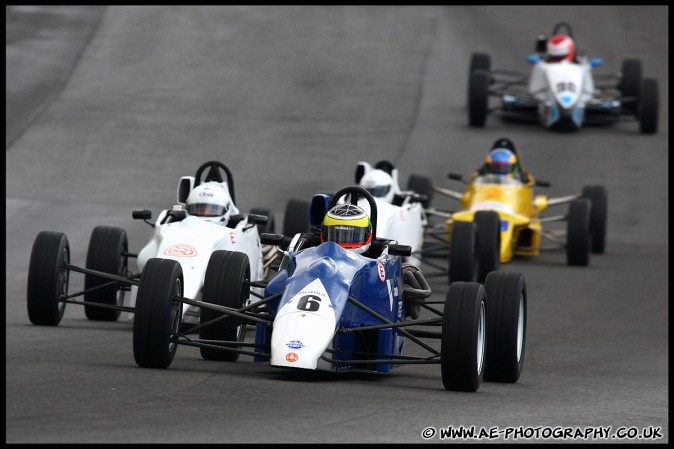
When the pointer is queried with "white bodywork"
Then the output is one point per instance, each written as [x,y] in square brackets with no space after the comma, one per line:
[191,242]
[405,223]
[562,89]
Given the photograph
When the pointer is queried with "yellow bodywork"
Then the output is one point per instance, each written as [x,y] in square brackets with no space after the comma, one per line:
[517,207]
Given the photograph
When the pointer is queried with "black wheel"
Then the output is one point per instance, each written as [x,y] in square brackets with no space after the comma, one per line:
[578,233]
[296,217]
[630,84]
[507,326]
[479,61]
[648,107]
[270,226]
[158,313]
[464,332]
[463,260]
[488,242]
[421,185]
[598,216]
[48,278]
[107,253]
[478,97]
[226,274]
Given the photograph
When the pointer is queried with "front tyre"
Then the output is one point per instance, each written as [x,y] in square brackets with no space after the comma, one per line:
[598,216]
[48,278]
[478,97]
[578,233]
[158,313]
[107,251]
[648,107]
[464,329]
[488,242]
[630,84]
[506,328]
[296,218]
[225,284]
[463,260]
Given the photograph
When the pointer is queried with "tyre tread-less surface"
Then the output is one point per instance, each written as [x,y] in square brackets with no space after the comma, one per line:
[598,216]
[226,274]
[488,242]
[506,328]
[630,83]
[478,97]
[464,327]
[578,233]
[421,185]
[107,248]
[48,278]
[296,217]
[158,313]
[463,260]
[648,107]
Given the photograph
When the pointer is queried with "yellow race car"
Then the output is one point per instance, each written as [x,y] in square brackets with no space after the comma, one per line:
[501,218]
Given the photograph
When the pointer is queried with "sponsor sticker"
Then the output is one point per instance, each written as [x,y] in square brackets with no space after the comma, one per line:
[292,357]
[381,271]
[180,250]
[295,344]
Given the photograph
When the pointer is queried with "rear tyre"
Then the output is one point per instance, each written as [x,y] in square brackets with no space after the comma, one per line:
[648,107]
[479,61]
[578,233]
[488,242]
[158,313]
[270,226]
[463,260]
[464,330]
[296,218]
[107,253]
[630,84]
[421,185]
[48,278]
[598,216]
[506,328]
[226,274]
[478,97]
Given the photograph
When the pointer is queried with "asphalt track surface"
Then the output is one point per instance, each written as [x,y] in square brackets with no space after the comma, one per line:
[108,106]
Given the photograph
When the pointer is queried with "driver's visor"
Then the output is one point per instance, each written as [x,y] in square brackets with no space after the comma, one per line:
[346,236]
[496,168]
[379,191]
[206,209]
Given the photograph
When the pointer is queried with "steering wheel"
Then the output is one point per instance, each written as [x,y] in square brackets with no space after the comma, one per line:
[215,174]
[355,192]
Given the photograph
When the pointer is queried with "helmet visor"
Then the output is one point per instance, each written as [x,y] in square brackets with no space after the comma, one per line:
[346,236]
[379,191]
[206,209]
[500,169]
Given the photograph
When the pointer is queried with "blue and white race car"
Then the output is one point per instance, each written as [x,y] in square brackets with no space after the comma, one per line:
[561,91]
[330,308]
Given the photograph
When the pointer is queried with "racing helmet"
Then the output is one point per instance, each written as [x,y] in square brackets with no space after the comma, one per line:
[560,47]
[208,201]
[349,226]
[501,161]
[379,184]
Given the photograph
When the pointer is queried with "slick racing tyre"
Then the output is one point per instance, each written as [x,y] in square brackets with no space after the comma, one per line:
[630,84]
[598,216]
[270,226]
[421,185]
[506,328]
[648,107]
[158,313]
[463,260]
[578,233]
[296,217]
[479,61]
[48,278]
[478,97]
[224,285]
[463,340]
[107,253]
[488,242]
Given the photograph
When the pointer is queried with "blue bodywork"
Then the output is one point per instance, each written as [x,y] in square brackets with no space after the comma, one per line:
[345,274]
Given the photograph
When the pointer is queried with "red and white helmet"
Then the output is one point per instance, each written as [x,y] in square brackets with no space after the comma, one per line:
[560,47]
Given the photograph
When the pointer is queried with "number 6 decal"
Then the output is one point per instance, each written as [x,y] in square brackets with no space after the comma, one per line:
[309,303]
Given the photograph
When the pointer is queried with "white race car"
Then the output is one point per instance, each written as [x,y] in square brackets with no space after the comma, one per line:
[194,232]
[562,92]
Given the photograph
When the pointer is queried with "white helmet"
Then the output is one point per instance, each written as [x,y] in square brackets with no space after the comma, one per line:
[379,184]
[210,201]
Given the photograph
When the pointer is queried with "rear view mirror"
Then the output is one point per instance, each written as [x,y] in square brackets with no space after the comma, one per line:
[142,214]
[533,59]
[257,219]
[271,239]
[400,250]
[541,44]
